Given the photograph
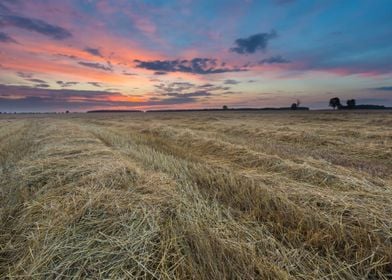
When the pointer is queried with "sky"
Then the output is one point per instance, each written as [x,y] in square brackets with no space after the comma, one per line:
[81,55]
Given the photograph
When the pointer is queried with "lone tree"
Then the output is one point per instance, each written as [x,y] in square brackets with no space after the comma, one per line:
[295,106]
[351,103]
[335,103]
[225,107]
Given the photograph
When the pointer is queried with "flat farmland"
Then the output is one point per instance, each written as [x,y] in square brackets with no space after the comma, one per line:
[196,195]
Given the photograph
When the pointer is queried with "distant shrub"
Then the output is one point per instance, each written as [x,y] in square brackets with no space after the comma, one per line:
[350,103]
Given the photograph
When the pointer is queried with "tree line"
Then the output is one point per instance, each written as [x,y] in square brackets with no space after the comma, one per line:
[336,104]
[351,104]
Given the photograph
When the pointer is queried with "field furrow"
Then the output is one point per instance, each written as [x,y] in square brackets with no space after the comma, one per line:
[292,223]
[195,196]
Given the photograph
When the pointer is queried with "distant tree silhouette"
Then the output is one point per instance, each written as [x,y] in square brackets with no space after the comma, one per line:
[296,105]
[67,112]
[293,106]
[225,107]
[335,103]
[351,103]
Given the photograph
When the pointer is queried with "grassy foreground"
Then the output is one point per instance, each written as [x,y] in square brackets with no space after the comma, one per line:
[223,195]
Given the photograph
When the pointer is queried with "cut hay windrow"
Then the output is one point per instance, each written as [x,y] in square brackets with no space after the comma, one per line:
[195,196]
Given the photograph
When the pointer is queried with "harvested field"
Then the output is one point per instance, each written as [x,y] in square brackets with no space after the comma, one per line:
[196,195]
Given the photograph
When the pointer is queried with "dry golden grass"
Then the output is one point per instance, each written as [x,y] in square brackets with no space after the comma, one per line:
[224,195]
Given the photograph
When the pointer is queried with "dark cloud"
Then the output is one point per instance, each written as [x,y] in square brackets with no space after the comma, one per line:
[175,87]
[96,65]
[36,25]
[96,84]
[66,84]
[5,38]
[42,85]
[274,60]
[206,86]
[212,87]
[160,73]
[37,81]
[67,56]
[231,82]
[25,75]
[186,87]
[197,66]
[187,92]
[112,89]
[59,94]
[253,43]
[171,98]
[387,88]
[93,51]
[227,92]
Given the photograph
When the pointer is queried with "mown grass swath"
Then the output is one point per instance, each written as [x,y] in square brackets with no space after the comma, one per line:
[202,195]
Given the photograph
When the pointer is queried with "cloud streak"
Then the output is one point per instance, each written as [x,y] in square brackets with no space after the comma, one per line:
[202,66]
[92,51]
[231,82]
[387,88]
[5,38]
[66,84]
[278,59]
[23,98]
[95,65]
[188,92]
[35,25]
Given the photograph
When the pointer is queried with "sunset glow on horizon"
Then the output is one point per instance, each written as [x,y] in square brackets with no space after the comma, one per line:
[107,54]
